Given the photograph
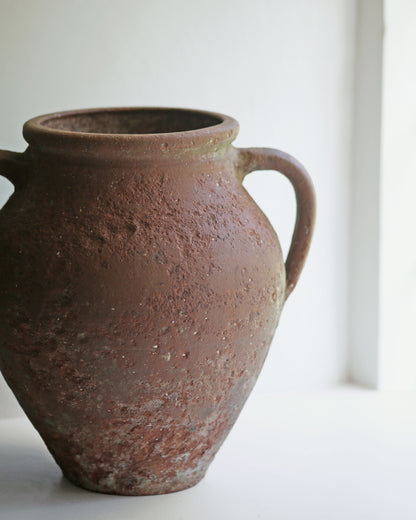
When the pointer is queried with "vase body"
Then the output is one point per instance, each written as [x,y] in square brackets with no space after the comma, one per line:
[138,299]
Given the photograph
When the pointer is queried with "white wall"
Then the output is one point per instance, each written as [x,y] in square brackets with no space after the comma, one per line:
[398,190]
[365,212]
[283,69]
[383,248]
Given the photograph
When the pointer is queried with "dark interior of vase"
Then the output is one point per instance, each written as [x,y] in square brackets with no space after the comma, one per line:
[136,121]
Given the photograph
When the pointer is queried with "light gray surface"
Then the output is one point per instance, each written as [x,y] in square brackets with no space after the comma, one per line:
[345,454]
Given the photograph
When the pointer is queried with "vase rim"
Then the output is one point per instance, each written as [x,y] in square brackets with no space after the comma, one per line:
[105,131]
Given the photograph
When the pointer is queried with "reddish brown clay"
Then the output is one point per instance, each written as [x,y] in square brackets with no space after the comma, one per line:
[140,288]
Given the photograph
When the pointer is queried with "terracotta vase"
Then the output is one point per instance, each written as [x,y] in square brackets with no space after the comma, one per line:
[140,288]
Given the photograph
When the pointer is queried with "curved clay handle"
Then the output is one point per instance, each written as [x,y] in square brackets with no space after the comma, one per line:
[250,159]
[12,166]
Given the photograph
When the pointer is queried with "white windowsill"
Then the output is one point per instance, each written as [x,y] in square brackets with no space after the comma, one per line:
[345,453]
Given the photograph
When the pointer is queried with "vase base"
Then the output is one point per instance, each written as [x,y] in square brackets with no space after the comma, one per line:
[141,486]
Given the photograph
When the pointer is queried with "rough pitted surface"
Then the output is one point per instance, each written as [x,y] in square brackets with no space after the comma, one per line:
[138,300]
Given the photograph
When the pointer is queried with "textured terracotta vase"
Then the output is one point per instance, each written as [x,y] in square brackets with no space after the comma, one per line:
[140,288]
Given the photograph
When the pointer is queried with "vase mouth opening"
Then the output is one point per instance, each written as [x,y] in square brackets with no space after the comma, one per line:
[137,121]
[135,130]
